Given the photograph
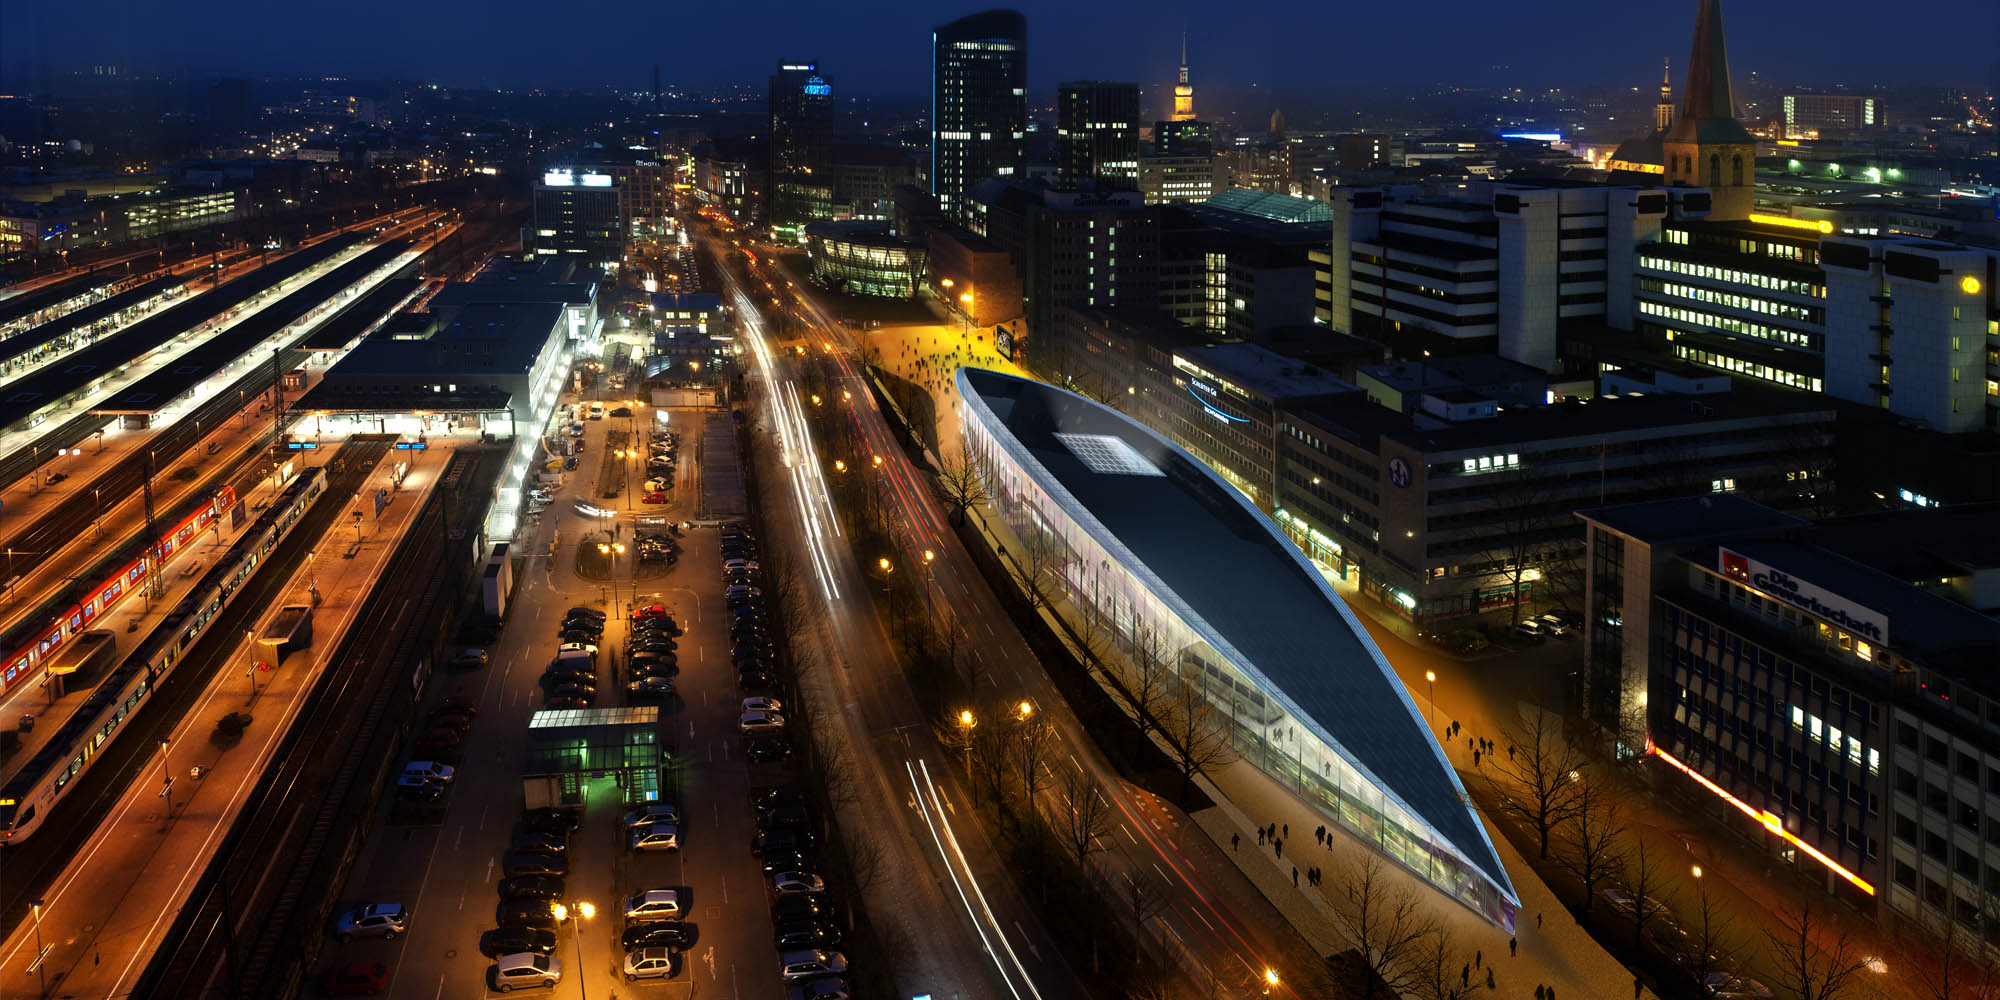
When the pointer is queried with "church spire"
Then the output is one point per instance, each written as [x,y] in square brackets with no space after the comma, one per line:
[1708,94]
[1184,90]
[1663,112]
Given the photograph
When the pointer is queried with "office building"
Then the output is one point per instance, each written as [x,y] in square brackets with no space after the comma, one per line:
[972,275]
[1483,267]
[1178,570]
[1097,134]
[865,179]
[1362,151]
[1824,687]
[1463,506]
[579,212]
[732,175]
[800,188]
[1183,138]
[1808,116]
[1179,180]
[1239,264]
[1706,146]
[979,105]
[644,180]
[1073,249]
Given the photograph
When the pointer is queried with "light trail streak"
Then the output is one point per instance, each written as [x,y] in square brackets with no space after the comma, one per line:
[931,807]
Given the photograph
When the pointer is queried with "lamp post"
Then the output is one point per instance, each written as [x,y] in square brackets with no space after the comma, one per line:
[40,952]
[967,722]
[166,778]
[1431,677]
[250,640]
[930,580]
[611,551]
[583,911]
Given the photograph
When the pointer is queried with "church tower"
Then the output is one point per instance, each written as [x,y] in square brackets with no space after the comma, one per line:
[1706,146]
[1663,112]
[1183,90]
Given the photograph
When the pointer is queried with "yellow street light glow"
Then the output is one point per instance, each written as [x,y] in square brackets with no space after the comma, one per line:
[1271,976]
[561,911]
[839,466]
[929,555]
[1697,871]
[965,718]
[1969,285]
[946,282]
[1431,675]
[586,910]
[1025,709]
[883,564]
[815,399]
[1812,225]
[878,460]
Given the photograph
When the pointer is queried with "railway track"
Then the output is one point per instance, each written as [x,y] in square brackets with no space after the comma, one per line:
[253,924]
[33,864]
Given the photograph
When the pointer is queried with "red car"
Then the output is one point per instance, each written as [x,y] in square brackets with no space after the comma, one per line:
[654,497]
[454,721]
[651,611]
[437,740]
[458,704]
[356,979]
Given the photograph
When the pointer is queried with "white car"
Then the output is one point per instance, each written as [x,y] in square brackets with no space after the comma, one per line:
[656,485]
[648,963]
[430,769]
[762,704]
[578,647]
[797,883]
[761,723]
[657,837]
[526,969]
[653,904]
[648,815]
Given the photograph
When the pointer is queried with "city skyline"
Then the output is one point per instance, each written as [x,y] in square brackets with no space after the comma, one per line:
[880,51]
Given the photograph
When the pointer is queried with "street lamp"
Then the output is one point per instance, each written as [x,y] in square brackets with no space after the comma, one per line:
[1431,677]
[584,911]
[611,551]
[1025,709]
[966,723]
[250,638]
[40,952]
[166,778]
[1270,980]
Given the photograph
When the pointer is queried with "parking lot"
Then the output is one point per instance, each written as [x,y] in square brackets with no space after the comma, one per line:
[698,880]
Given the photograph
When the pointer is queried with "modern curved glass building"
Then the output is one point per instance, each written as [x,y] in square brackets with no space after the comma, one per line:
[1166,555]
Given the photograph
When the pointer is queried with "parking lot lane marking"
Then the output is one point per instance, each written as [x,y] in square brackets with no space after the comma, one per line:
[725,890]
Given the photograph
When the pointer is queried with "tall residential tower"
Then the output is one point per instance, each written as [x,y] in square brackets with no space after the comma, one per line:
[801,145]
[979,104]
[1097,133]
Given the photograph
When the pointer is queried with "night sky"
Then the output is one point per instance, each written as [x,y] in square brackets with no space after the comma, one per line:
[880,47]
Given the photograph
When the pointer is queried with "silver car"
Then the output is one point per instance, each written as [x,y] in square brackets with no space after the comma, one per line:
[382,920]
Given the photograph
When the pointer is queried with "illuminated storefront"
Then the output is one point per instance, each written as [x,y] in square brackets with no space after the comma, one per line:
[1178,569]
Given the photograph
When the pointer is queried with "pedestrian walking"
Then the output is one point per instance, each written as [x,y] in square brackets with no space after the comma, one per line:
[1288,829]
[1510,751]
[1478,958]
[1295,876]
[1280,845]
[1552,993]
[1489,979]
[1464,975]
[1513,947]
[1538,921]
[1475,758]
[1540,994]
[1236,842]
[1260,838]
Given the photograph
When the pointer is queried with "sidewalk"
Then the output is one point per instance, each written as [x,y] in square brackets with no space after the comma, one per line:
[131,874]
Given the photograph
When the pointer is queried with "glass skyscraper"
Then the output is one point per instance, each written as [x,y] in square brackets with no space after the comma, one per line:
[979,104]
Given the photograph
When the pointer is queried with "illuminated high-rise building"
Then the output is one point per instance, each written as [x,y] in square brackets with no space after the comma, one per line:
[979,104]
[1097,133]
[800,185]
[1707,146]
[1183,90]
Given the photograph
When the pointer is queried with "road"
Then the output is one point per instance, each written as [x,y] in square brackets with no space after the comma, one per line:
[904,789]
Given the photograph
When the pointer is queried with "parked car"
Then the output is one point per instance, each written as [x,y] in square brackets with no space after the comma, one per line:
[780,861]
[758,680]
[658,837]
[436,741]
[445,718]
[355,979]
[761,703]
[514,940]
[382,920]
[528,863]
[781,840]
[656,644]
[797,883]
[527,969]
[419,789]
[658,483]
[827,988]
[531,887]
[651,611]
[653,904]
[1532,629]
[539,914]
[584,635]
[459,704]
[563,821]
[787,818]
[587,612]
[653,496]
[797,966]
[778,798]
[578,647]
[804,934]
[662,934]
[1553,624]
[469,659]
[648,963]
[760,723]
[651,814]
[537,842]
[650,689]
[801,906]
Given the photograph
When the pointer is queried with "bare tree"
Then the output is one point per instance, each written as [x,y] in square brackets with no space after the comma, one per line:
[835,766]
[1034,738]
[1641,875]
[961,485]
[1040,553]
[865,857]
[1086,816]
[1814,959]
[1189,725]
[1595,841]
[991,746]
[1544,771]
[1437,977]
[1388,923]
[1524,518]
[1947,961]
[1711,944]
[1148,684]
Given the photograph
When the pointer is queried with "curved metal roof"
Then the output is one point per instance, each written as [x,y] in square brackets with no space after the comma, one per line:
[1230,572]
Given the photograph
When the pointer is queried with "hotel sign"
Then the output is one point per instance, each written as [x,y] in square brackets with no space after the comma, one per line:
[1824,605]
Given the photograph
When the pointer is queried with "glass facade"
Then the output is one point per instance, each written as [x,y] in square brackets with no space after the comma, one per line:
[864,263]
[1143,619]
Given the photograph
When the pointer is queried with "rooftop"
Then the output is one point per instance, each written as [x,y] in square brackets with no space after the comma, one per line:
[1685,519]
[1230,573]
[1265,372]
[1276,207]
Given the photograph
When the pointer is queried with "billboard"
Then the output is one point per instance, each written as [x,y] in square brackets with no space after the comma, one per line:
[1829,607]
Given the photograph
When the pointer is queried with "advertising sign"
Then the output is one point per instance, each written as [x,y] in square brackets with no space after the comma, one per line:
[1824,605]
